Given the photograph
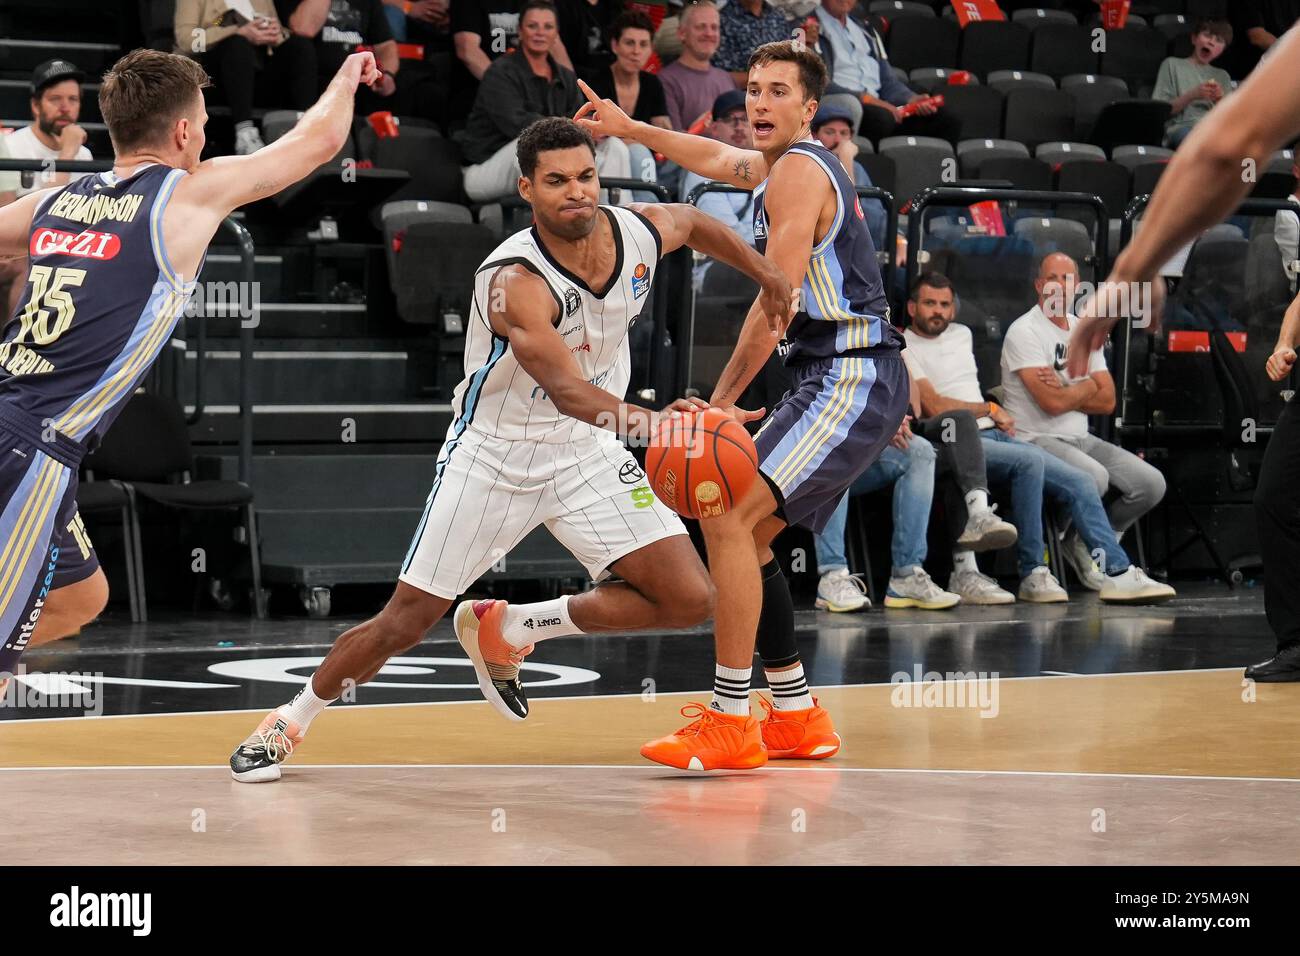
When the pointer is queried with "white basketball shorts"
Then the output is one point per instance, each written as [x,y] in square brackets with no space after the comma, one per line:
[488,493]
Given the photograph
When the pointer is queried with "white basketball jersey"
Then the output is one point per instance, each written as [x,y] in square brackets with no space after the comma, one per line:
[497,397]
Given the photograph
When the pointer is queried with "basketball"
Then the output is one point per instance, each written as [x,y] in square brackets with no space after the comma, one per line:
[701,464]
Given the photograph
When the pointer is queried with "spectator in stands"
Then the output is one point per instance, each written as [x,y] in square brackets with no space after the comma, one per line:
[831,127]
[52,134]
[667,41]
[1286,229]
[1052,411]
[248,58]
[729,124]
[942,356]
[1190,85]
[748,24]
[586,34]
[625,81]
[691,83]
[907,463]
[867,86]
[417,19]
[1259,24]
[338,27]
[518,89]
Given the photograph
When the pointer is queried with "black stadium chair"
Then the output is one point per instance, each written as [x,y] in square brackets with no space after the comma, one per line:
[1134,54]
[1139,122]
[979,108]
[1060,154]
[1059,50]
[973,153]
[1092,93]
[882,171]
[1039,116]
[920,161]
[918,41]
[1108,181]
[1020,172]
[1133,156]
[895,9]
[1034,17]
[432,269]
[432,162]
[990,45]
[148,450]
[1146,176]
[1005,81]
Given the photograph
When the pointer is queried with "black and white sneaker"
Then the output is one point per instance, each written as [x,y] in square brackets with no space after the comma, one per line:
[258,759]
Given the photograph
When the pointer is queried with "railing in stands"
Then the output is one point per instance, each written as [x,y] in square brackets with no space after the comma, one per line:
[1147,426]
[245,243]
[886,256]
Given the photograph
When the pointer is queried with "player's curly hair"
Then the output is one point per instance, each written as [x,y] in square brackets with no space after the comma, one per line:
[552,132]
[812,70]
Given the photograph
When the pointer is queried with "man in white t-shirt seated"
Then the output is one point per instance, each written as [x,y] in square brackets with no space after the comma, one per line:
[52,134]
[1052,411]
[940,352]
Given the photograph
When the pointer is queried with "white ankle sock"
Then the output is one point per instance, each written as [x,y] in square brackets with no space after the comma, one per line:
[789,688]
[731,690]
[977,501]
[304,708]
[964,561]
[526,624]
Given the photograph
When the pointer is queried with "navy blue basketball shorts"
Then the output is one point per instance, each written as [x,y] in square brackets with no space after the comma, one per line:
[829,429]
[45,546]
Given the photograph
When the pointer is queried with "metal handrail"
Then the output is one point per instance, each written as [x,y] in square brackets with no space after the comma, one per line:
[688,287]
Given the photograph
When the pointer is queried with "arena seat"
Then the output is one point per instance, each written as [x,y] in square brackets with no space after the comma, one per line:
[1008,80]
[1059,154]
[919,41]
[1038,116]
[978,108]
[919,162]
[1059,50]
[992,45]
[972,153]
[1092,94]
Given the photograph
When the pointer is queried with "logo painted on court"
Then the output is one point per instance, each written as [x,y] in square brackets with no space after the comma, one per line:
[280,670]
[640,280]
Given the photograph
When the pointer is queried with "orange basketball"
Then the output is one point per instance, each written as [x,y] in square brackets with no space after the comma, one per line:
[701,464]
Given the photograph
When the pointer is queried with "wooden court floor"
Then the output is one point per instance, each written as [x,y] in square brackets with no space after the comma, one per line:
[1179,767]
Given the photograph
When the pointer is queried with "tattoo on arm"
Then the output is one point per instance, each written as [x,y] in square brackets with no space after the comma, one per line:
[730,387]
[742,170]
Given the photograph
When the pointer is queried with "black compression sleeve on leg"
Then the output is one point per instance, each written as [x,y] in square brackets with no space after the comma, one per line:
[776,644]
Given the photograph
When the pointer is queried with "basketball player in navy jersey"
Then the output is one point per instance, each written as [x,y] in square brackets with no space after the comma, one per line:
[849,400]
[113,261]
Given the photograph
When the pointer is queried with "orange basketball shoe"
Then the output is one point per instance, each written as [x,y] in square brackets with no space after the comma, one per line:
[806,734]
[712,741]
[478,628]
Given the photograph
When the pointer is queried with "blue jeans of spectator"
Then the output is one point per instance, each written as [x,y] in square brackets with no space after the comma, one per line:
[911,472]
[1011,459]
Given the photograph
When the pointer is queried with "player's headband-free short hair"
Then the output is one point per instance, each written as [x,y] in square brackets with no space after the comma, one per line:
[143,95]
[812,70]
[551,132]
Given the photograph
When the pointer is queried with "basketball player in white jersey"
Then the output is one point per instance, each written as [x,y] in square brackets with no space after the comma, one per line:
[535,441]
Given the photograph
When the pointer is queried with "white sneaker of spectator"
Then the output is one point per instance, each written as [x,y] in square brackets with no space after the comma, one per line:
[918,590]
[976,588]
[1134,587]
[1040,586]
[1079,558]
[985,531]
[840,591]
[248,140]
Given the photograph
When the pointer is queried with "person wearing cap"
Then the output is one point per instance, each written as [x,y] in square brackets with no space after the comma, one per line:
[832,127]
[53,132]
[729,123]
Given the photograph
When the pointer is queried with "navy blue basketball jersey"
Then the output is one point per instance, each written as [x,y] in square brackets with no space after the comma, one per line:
[100,303]
[844,310]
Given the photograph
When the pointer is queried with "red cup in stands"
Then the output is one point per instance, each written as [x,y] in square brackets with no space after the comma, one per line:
[1114,13]
[384,124]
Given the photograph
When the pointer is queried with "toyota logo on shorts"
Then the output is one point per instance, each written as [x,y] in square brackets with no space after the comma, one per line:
[630,473]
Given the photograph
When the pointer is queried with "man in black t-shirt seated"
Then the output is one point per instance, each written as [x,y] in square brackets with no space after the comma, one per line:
[338,27]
